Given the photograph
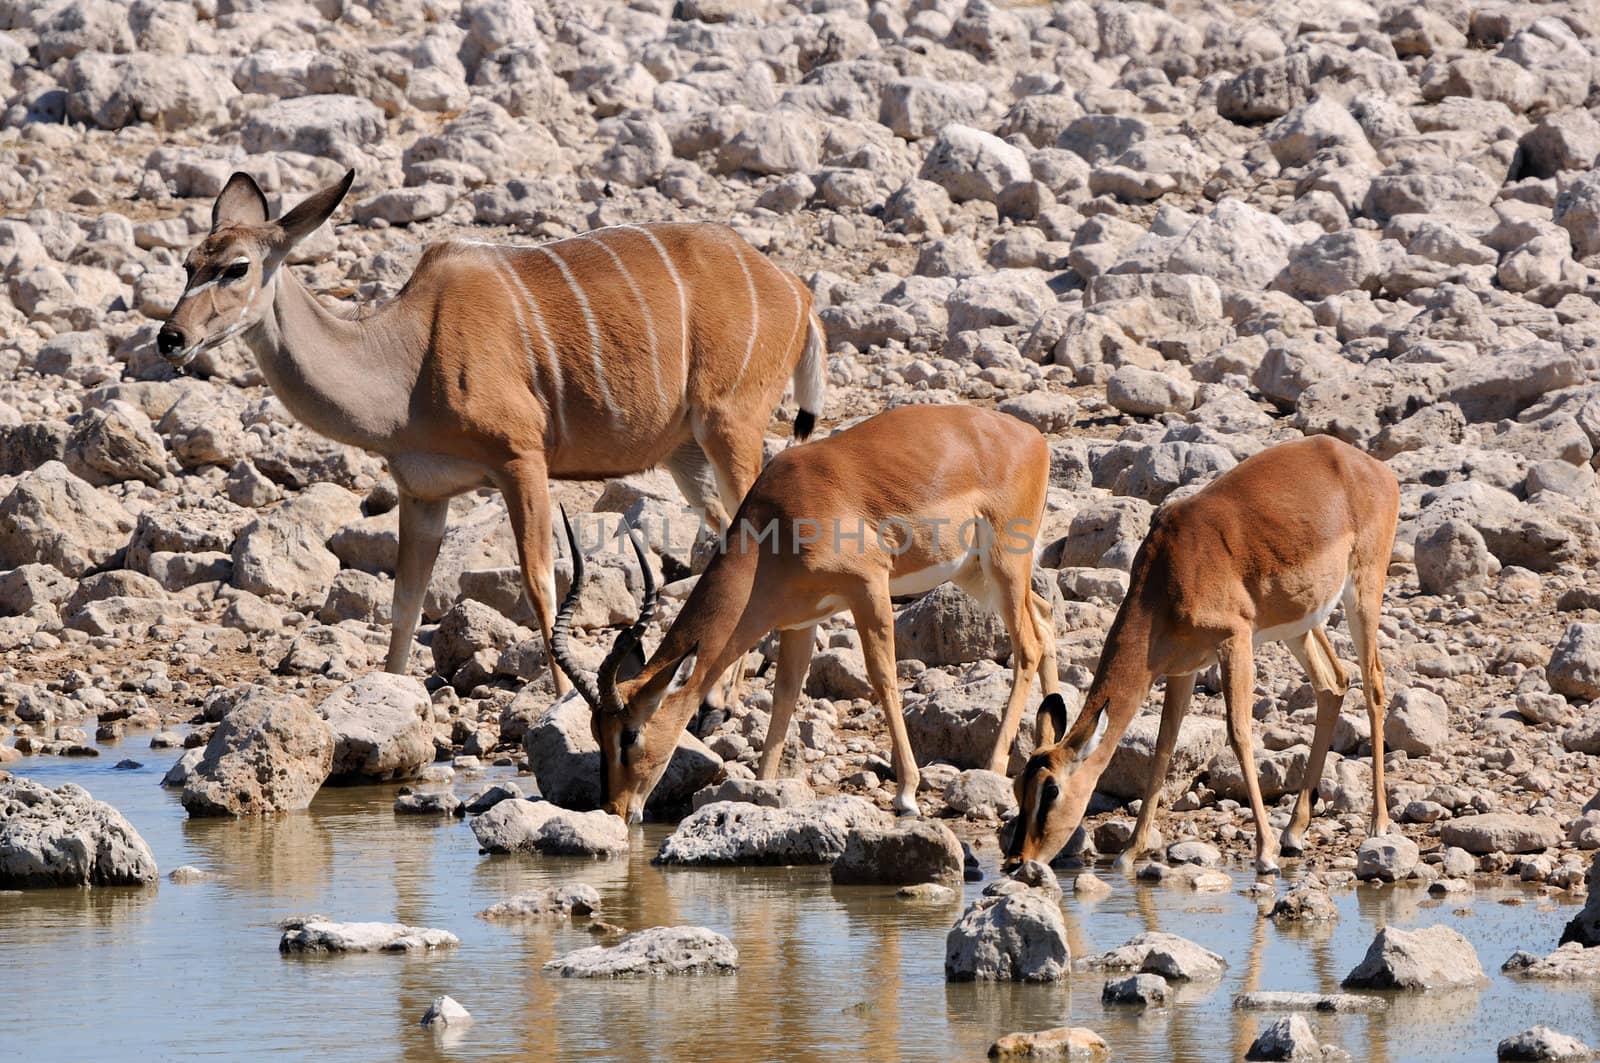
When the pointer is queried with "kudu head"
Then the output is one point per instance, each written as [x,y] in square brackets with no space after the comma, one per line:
[233,270]
[624,694]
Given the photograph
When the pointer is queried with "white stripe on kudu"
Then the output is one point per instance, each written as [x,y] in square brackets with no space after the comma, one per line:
[500,271]
[644,310]
[556,401]
[755,312]
[589,320]
[683,301]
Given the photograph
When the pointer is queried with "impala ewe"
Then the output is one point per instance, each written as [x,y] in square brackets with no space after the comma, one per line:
[898,504]
[597,356]
[1261,554]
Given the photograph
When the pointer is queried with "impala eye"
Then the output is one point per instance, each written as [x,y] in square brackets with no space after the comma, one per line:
[235,271]
[1049,791]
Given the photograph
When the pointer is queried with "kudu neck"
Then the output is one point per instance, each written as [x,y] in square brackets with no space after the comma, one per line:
[349,380]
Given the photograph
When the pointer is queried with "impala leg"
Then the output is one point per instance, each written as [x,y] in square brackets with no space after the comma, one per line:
[794,659]
[1180,688]
[1044,621]
[1329,683]
[422,524]
[1361,608]
[1016,608]
[527,493]
[875,621]
[1238,682]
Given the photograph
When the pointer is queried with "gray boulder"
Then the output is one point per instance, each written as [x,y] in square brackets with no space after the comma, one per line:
[1434,957]
[948,626]
[1541,1042]
[1389,857]
[903,854]
[270,753]
[971,164]
[64,837]
[323,935]
[541,827]
[1501,832]
[1015,937]
[776,793]
[1168,955]
[380,728]
[52,517]
[658,951]
[1291,1038]
[1574,668]
[578,899]
[737,833]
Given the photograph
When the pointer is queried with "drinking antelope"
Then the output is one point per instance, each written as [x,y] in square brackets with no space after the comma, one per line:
[1262,554]
[592,357]
[897,504]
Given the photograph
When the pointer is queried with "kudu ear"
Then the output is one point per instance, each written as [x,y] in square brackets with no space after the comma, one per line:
[1052,721]
[303,218]
[240,202]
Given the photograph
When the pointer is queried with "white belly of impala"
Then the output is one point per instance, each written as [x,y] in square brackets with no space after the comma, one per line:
[1301,626]
[926,579]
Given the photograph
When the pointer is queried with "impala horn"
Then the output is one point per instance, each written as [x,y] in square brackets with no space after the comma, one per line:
[629,644]
[560,631]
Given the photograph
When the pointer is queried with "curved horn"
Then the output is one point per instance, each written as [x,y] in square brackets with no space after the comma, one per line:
[630,637]
[559,631]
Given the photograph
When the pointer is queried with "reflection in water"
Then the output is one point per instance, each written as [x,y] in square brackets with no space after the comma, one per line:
[825,972]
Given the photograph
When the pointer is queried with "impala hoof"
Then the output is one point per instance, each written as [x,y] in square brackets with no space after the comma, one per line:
[1123,864]
[1266,866]
[1290,847]
[905,807]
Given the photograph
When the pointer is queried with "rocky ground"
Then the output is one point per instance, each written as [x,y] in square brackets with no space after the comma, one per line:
[1167,235]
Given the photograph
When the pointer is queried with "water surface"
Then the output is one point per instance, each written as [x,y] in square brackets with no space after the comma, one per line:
[193,972]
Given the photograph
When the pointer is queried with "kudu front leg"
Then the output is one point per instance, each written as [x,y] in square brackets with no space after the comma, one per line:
[422,524]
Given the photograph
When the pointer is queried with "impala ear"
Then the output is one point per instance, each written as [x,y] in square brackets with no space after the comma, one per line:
[684,669]
[304,217]
[1052,721]
[632,662]
[240,202]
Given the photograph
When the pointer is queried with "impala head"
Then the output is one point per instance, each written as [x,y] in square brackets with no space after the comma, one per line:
[623,701]
[1052,791]
[233,270]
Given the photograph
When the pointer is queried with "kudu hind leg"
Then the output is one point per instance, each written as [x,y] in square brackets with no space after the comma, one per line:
[1329,683]
[422,524]
[1174,705]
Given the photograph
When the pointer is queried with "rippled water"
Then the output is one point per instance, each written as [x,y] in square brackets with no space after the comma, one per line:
[193,971]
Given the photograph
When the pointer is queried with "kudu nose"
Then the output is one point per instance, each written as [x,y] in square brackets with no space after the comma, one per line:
[169,341]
